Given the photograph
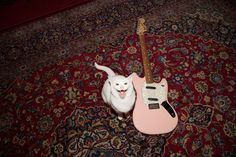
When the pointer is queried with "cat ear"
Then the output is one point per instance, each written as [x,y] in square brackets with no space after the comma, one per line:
[130,77]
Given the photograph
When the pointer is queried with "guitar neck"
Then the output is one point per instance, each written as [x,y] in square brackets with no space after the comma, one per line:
[146,63]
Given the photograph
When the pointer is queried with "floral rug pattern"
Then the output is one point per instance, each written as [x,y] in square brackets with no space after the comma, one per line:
[108,22]
[59,111]
[50,91]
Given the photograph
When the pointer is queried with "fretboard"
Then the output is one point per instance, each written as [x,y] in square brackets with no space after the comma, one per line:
[146,63]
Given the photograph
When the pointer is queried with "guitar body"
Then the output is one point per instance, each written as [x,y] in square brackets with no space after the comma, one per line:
[153,120]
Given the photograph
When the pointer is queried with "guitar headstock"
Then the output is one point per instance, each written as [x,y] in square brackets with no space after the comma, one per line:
[141,28]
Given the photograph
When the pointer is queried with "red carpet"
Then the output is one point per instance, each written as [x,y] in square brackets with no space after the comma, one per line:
[59,110]
[50,92]
[18,12]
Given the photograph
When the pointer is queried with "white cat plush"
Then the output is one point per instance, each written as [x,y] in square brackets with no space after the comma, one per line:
[118,91]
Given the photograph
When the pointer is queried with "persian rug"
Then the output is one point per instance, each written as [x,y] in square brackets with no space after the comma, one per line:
[50,90]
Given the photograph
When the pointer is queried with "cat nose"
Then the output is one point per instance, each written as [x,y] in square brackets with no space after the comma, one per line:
[121,87]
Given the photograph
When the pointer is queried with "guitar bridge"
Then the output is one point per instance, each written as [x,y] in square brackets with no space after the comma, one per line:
[154,106]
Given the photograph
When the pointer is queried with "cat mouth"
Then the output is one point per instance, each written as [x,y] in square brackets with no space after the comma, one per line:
[122,93]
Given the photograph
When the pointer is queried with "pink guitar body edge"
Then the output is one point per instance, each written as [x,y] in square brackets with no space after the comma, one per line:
[153,121]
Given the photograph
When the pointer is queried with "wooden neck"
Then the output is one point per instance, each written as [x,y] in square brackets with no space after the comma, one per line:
[146,63]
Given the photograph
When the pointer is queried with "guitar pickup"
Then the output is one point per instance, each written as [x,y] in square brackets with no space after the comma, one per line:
[152,99]
[150,87]
[154,106]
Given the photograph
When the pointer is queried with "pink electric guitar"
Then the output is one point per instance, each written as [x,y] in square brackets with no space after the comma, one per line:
[152,113]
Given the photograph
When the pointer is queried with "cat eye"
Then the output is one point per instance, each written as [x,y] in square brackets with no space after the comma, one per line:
[117,84]
[125,83]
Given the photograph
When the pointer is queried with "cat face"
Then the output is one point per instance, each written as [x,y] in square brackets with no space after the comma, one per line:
[121,86]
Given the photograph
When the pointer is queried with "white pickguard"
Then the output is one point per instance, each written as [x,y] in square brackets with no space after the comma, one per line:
[157,95]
